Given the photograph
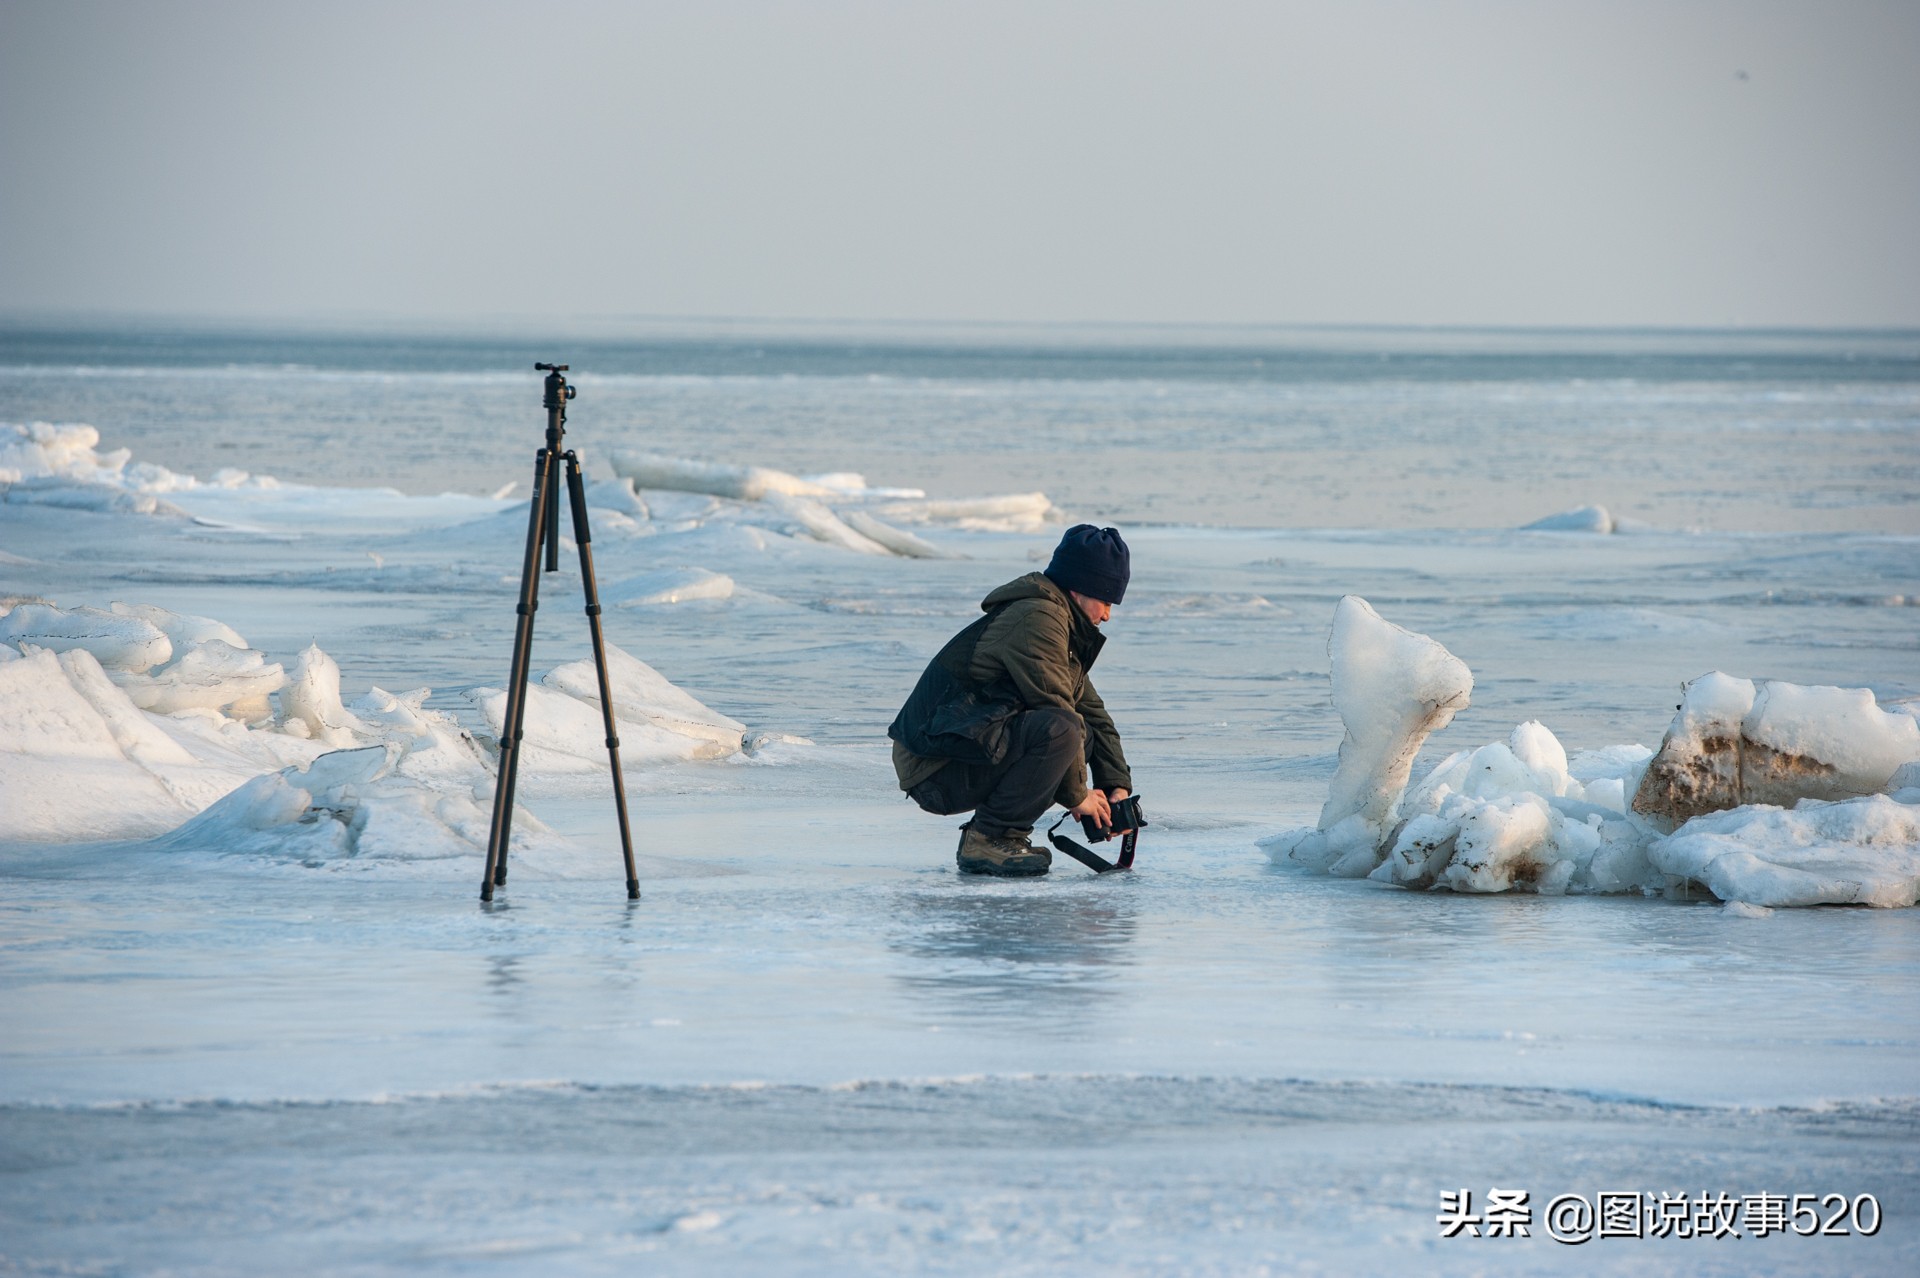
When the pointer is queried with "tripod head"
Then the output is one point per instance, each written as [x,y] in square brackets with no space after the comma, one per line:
[558,393]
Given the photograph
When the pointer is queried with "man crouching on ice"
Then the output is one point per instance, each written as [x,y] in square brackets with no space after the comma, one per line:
[1004,722]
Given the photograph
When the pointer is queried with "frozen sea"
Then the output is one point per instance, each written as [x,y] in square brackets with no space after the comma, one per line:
[811,1047]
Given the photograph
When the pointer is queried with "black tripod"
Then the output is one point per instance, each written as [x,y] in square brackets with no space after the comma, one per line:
[543,528]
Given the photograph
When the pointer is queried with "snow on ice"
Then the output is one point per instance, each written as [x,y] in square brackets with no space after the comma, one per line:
[1842,827]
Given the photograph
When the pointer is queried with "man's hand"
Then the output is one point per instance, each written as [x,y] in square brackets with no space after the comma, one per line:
[1094,805]
[1097,806]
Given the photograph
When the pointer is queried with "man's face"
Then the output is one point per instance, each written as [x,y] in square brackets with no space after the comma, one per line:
[1096,610]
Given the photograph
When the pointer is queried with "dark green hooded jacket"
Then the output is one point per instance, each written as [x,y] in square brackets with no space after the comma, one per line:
[1037,651]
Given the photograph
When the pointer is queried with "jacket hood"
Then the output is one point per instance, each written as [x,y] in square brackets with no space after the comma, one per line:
[1084,636]
[1035,585]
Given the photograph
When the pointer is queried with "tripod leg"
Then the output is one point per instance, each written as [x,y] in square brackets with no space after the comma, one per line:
[553,512]
[584,538]
[511,725]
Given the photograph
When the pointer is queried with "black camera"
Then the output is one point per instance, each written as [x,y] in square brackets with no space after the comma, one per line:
[1126,816]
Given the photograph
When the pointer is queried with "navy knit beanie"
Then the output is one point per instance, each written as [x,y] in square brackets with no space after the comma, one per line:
[1092,561]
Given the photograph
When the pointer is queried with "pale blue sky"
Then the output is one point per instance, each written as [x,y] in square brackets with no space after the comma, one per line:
[1434,162]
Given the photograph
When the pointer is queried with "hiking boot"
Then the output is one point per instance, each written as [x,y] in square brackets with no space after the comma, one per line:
[1010,856]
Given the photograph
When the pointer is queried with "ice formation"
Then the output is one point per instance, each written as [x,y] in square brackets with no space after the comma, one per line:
[1013,513]
[1863,851]
[658,723]
[898,540]
[1393,688]
[1518,815]
[667,586]
[1586,519]
[642,694]
[821,524]
[79,760]
[1733,742]
[838,509]
[117,723]
[346,807]
[311,704]
[61,465]
[132,644]
[742,483]
[165,661]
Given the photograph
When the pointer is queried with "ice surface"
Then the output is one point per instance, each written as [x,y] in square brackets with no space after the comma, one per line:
[617,495]
[297,1032]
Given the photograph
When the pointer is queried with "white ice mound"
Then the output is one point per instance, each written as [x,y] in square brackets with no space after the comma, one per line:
[166,661]
[311,706]
[657,722]
[1393,688]
[345,809]
[51,465]
[1862,851]
[618,495]
[643,694]
[118,642]
[1586,519]
[667,586]
[1013,513]
[1733,742]
[211,675]
[88,753]
[742,483]
[1518,815]
[79,760]
[184,629]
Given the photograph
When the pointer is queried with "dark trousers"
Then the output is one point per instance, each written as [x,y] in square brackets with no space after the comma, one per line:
[1010,795]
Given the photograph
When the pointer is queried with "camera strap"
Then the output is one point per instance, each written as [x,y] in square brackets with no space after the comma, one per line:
[1087,856]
